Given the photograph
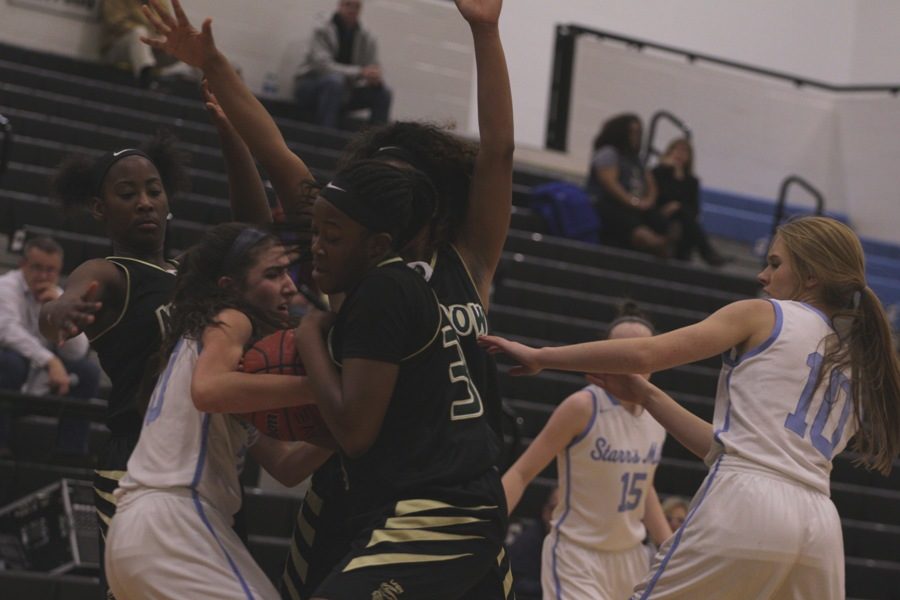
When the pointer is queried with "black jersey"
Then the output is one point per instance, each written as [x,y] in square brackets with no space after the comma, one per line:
[451,281]
[127,348]
[434,435]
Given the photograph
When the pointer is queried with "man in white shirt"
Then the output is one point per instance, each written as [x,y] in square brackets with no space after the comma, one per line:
[29,363]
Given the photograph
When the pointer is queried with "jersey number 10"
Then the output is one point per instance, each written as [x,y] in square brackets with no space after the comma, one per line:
[836,394]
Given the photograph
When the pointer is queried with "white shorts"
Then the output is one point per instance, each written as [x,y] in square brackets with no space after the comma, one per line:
[167,545]
[573,572]
[751,534]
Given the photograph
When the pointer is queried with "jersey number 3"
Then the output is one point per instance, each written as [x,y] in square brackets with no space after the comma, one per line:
[470,406]
[836,394]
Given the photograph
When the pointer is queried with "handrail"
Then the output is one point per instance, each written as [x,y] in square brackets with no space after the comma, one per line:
[782,199]
[564,60]
[658,116]
[5,144]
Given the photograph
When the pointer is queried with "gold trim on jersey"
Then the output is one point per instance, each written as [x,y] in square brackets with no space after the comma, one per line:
[124,304]
[436,331]
[149,264]
[507,582]
[389,261]
[406,507]
[313,501]
[398,558]
[426,522]
[500,556]
[116,475]
[469,274]
[300,563]
[401,536]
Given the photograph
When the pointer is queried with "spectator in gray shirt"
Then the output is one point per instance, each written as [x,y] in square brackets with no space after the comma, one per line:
[341,71]
[28,363]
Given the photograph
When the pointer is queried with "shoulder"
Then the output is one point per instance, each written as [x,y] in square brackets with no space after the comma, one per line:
[230,324]
[580,406]
[606,156]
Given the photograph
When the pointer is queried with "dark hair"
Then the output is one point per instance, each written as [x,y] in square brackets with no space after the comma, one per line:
[75,185]
[629,312]
[198,298]
[405,199]
[43,243]
[614,132]
[445,158]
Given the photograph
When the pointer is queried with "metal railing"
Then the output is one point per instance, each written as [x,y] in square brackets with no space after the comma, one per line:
[650,149]
[789,181]
[564,62]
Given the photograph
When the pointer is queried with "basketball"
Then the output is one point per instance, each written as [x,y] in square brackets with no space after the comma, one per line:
[277,354]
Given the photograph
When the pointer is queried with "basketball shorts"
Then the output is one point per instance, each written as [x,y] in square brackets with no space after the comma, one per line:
[751,533]
[573,572]
[110,469]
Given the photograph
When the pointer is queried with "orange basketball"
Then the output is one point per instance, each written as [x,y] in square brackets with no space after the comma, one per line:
[277,354]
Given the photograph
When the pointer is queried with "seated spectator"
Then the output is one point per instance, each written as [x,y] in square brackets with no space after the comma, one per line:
[28,363]
[123,24]
[679,199]
[676,509]
[341,71]
[626,193]
[526,542]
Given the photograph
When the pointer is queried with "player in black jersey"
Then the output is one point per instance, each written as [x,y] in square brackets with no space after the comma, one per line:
[120,302]
[416,450]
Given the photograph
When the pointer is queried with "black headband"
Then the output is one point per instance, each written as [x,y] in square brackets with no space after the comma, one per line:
[398,153]
[342,197]
[104,163]
[245,240]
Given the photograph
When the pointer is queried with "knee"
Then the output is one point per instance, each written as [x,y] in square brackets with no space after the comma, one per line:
[13,369]
[332,82]
[88,373]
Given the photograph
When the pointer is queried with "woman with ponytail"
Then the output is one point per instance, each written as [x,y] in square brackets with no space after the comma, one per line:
[424,501]
[804,372]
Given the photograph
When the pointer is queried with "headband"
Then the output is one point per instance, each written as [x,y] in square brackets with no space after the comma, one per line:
[632,319]
[245,240]
[104,163]
[398,153]
[342,197]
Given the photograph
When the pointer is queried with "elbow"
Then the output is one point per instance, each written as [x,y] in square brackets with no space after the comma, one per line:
[355,444]
[205,398]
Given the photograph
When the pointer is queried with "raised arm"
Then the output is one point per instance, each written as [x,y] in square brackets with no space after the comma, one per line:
[246,192]
[218,387]
[480,242]
[742,325]
[288,172]
[568,421]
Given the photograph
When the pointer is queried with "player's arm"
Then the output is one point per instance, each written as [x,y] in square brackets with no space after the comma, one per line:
[567,422]
[742,324]
[655,519]
[354,402]
[480,242]
[218,387]
[246,192]
[89,302]
[288,462]
[288,172]
[691,431]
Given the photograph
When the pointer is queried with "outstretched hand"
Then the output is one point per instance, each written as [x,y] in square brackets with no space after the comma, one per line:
[625,387]
[526,356]
[480,12]
[220,119]
[180,39]
[71,316]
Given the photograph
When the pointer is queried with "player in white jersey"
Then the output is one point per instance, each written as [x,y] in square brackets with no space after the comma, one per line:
[606,456]
[172,535]
[762,524]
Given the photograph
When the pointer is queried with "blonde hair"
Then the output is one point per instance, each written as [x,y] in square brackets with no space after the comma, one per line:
[828,252]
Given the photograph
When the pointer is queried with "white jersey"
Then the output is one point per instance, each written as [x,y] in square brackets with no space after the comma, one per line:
[182,448]
[604,474]
[766,409]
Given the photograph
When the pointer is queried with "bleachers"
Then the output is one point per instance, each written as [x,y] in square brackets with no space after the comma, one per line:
[548,291]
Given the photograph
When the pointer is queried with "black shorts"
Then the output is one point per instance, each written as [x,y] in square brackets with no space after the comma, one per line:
[431,548]
[321,536]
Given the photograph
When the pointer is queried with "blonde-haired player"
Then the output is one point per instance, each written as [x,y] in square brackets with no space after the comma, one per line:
[606,455]
[805,371]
